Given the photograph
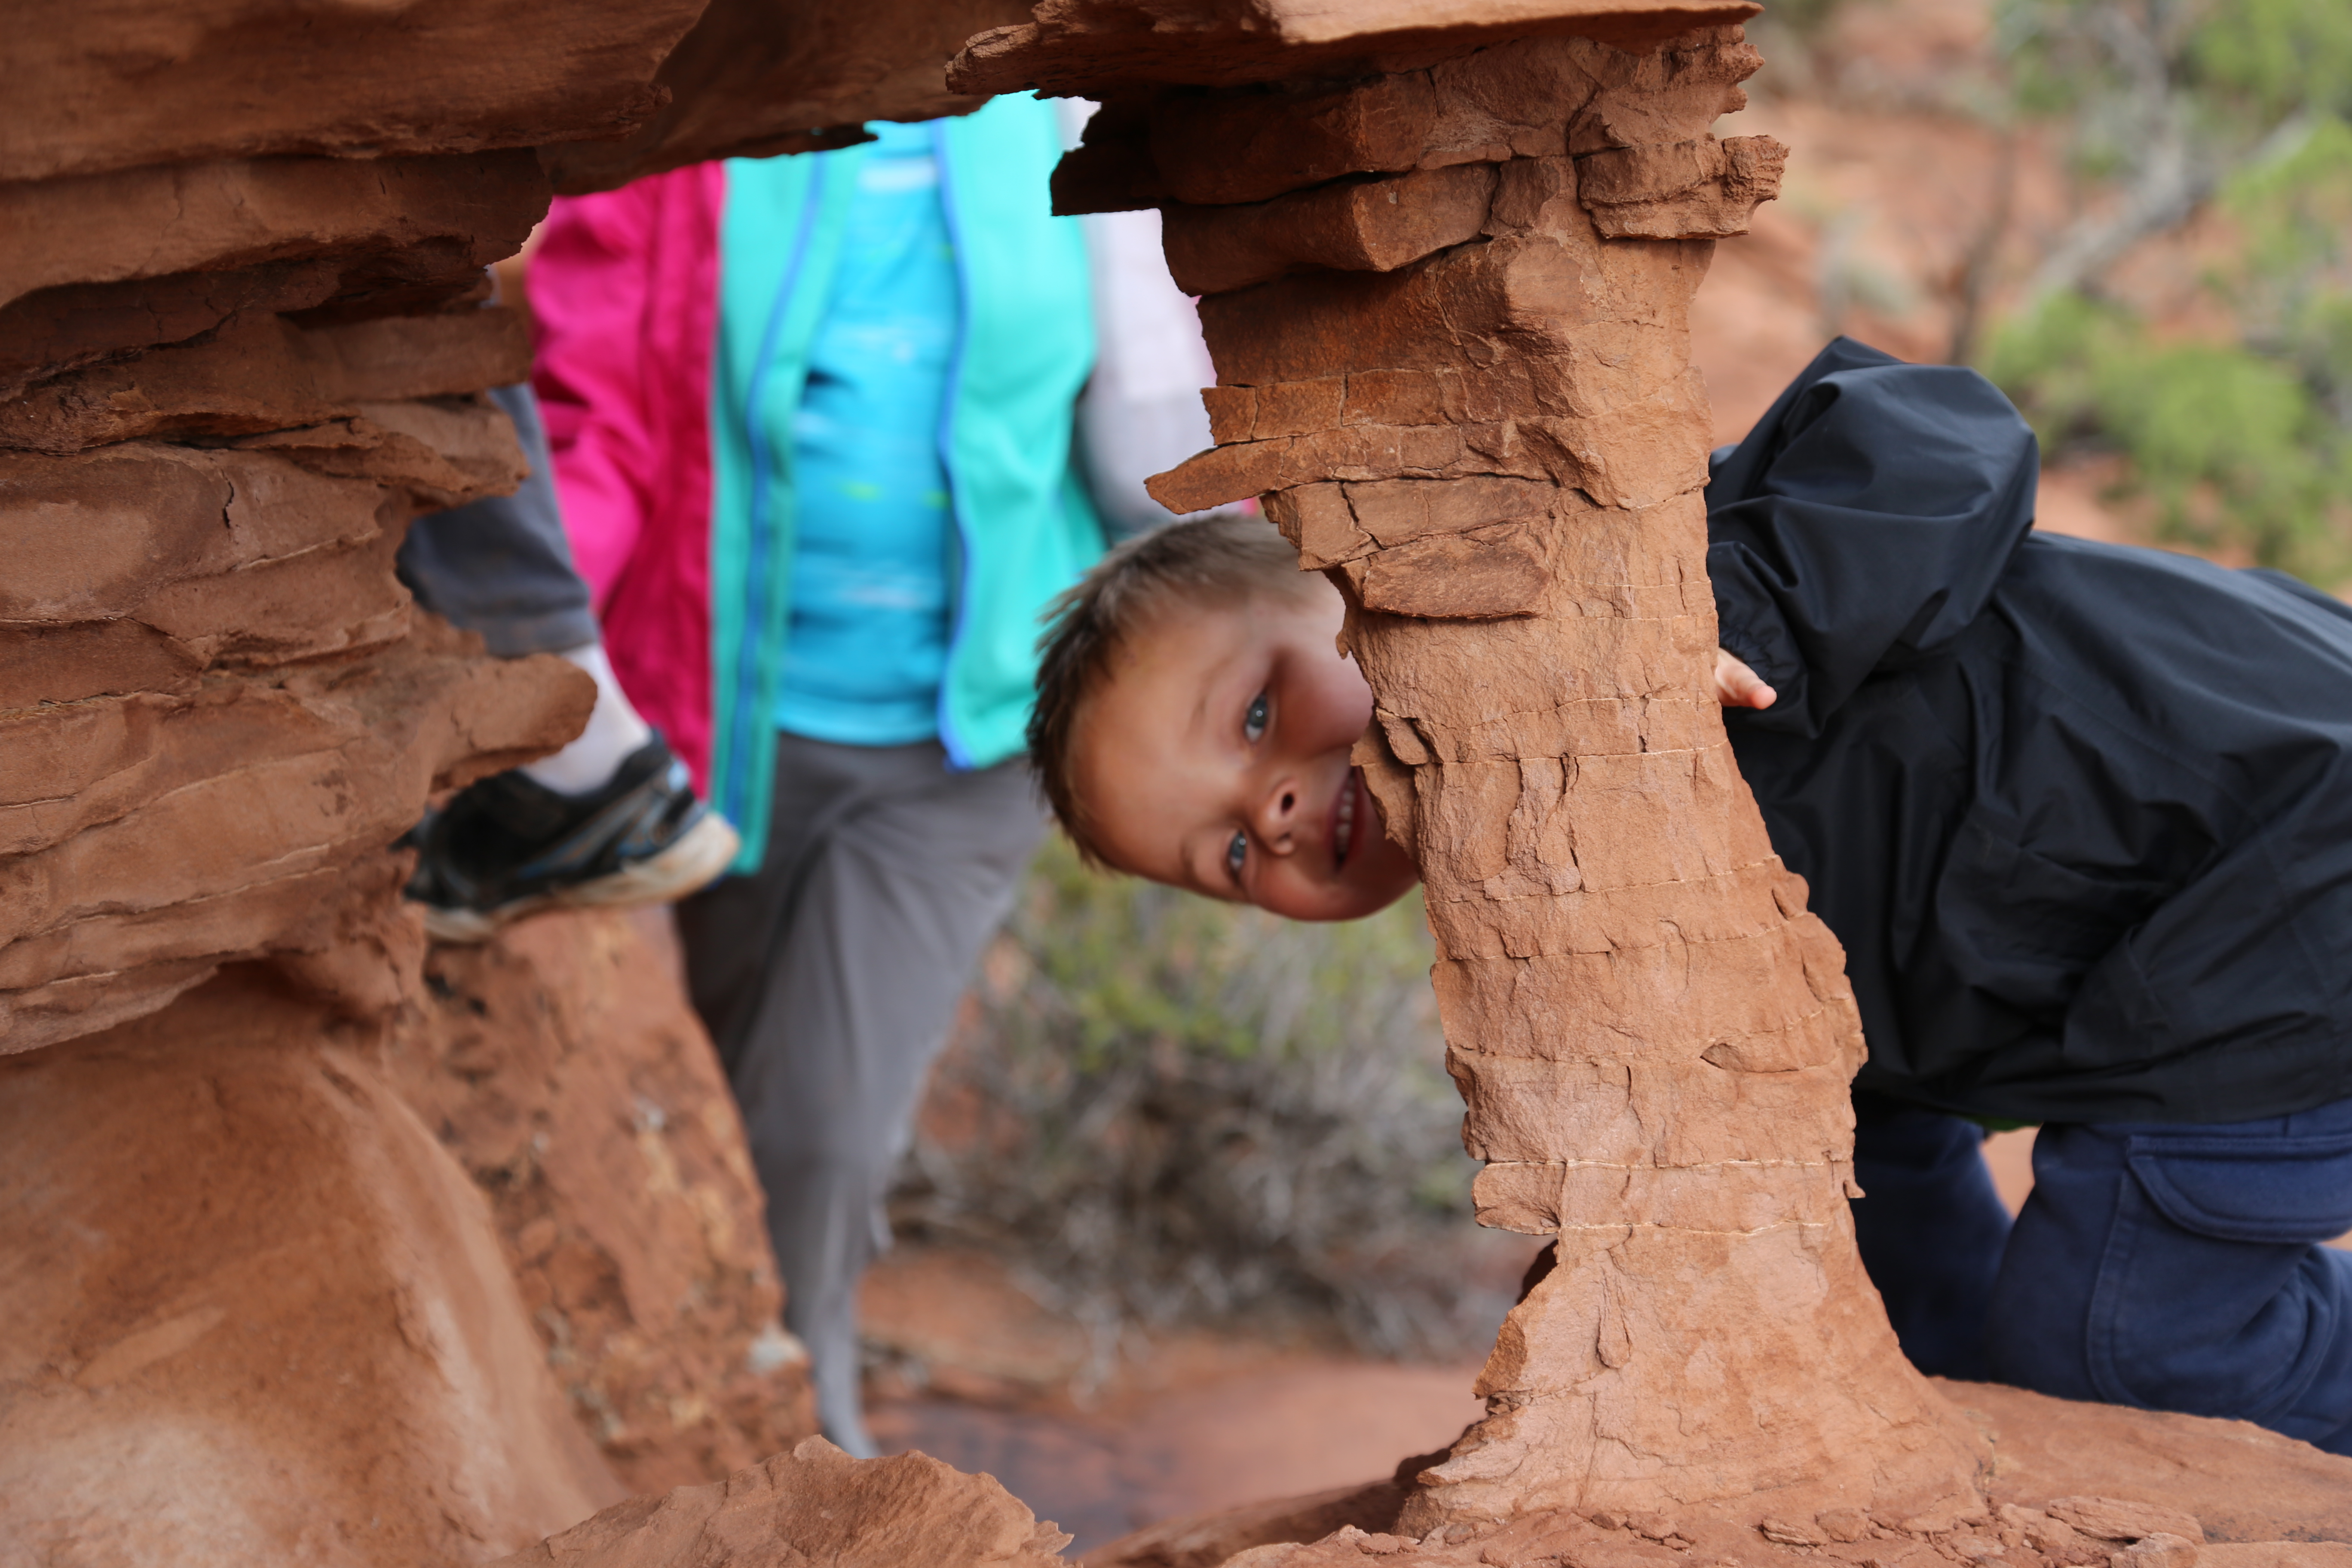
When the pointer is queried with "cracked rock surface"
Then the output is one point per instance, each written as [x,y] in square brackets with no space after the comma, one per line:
[1452,358]
[563,1067]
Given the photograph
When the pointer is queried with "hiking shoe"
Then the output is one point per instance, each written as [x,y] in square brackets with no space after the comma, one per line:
[507,845]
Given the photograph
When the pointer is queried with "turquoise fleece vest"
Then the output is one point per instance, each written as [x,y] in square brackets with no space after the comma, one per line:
[1024,526]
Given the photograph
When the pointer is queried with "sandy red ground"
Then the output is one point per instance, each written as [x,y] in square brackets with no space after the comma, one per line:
[1186,1424]
[982,1376]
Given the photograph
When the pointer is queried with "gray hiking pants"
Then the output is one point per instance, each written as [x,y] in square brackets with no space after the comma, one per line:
[502,567]
[828,980]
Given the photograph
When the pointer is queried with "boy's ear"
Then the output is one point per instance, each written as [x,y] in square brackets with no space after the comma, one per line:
[1391,783]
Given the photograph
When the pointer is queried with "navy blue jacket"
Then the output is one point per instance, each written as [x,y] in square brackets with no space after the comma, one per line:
[2081,814]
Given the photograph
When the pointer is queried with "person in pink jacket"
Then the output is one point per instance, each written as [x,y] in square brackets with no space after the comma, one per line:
[815,423]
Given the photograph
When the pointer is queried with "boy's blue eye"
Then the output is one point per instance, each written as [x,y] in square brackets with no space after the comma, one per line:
[1254,721]
[1235,853]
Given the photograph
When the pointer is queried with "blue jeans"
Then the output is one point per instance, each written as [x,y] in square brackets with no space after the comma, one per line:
[2161,1265]
[1931,1230]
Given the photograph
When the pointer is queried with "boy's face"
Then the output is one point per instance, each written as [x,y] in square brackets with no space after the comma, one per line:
[1214,757]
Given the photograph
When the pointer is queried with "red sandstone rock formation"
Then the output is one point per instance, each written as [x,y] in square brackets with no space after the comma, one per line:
[252,1313]
[216,717]
[753,79]
[814,1506]
[563,1067]
[255,1312]
[1463,389]
[2229,1488]
[258,1314]
[1448,277]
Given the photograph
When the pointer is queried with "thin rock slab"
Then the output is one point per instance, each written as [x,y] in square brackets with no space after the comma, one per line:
[110,86]
[261,373]
[93,266]
[814,1506]
[1083,45]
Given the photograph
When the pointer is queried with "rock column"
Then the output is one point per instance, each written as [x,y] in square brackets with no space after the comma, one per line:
[1447,306]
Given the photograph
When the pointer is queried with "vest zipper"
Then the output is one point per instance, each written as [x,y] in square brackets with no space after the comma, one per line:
[758,566]
[960,755]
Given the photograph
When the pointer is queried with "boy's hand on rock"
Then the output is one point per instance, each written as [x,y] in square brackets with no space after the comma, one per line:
[1736,686]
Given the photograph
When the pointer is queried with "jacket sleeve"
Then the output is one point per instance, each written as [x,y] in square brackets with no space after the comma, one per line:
[590,285]
[1140,414]
[1864,520]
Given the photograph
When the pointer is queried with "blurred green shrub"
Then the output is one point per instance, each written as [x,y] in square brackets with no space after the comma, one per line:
[2243,440]
[1172,1110]
[2117,69]
[2293,285]
[2235,445]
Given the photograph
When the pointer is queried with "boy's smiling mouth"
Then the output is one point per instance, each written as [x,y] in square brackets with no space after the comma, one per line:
[1343,819]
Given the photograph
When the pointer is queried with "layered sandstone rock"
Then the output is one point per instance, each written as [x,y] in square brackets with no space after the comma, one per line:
[255,1311]
[231,374]
[1448,277]
[1452,358]
[242,255]
[563,1067]
[94,266]
[170,815]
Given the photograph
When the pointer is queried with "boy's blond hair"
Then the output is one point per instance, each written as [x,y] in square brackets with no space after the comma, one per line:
[1222,559]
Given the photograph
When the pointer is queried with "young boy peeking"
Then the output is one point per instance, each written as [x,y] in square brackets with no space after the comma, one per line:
[2081,814]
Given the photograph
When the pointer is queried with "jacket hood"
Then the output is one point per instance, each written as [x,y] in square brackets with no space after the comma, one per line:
[1866,519]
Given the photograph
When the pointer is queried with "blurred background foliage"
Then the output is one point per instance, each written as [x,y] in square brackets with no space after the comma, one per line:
[2135,215]
[1174,1110]
[2170,111]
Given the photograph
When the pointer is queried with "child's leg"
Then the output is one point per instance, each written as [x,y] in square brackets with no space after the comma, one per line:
[2176,1268]
[829,980]
[1931,1230]
[502,567]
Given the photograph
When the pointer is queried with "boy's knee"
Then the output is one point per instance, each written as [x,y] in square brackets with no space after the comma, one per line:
[2179,1270]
